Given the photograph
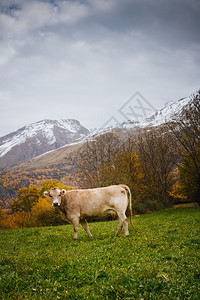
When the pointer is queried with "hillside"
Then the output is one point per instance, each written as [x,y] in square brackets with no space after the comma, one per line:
[159,261]
[49,159]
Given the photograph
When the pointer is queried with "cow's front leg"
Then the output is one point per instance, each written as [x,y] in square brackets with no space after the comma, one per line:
[85,227]
[75,223]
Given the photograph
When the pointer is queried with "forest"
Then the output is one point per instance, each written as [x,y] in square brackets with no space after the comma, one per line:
[161,165]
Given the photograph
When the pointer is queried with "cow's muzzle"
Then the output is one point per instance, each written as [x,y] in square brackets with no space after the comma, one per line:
[55,204]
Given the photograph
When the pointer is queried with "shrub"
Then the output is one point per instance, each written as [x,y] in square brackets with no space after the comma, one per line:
[18,220]
[43,214]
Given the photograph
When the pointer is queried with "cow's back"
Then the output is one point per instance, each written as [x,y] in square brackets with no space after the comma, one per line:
[97,202]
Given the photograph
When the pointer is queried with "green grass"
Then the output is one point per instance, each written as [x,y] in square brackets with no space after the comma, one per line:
[159,261]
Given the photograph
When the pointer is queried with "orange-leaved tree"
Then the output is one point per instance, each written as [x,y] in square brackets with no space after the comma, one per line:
[27,197]
[48,184]
[32,209]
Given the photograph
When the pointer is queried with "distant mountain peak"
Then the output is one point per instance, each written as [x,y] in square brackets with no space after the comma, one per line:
[162,116]
[37,138]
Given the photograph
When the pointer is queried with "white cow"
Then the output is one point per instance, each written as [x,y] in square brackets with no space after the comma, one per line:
[78,205]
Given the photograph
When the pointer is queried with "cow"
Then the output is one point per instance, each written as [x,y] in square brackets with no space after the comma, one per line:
[75,206]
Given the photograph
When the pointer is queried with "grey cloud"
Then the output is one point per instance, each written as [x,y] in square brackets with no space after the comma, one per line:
[167,21]
[78,58]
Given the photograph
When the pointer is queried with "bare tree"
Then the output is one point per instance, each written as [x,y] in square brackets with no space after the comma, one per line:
[95,157]
[158,159]
[186,130]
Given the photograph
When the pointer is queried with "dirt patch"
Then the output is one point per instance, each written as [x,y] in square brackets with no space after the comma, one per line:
[194,204]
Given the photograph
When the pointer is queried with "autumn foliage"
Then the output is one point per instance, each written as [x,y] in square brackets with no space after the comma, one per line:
[31,208]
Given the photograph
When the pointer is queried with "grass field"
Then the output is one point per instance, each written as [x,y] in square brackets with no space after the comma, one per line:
[159,261]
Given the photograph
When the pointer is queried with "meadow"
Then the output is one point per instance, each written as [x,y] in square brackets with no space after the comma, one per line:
[161,260]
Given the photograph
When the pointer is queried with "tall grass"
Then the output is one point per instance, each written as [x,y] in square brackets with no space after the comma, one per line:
[159,261]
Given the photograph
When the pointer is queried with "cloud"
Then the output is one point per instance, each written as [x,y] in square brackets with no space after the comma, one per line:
[84,58]
[29,16]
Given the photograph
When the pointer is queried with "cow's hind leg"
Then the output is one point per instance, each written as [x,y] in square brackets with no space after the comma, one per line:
[120,224]
[123,222]
[85,227]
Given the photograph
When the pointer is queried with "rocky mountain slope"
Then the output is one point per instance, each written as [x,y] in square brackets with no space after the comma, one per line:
[168,113]
[57,156]
[38,138]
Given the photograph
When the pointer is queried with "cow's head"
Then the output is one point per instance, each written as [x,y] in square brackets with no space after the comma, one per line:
[55,195]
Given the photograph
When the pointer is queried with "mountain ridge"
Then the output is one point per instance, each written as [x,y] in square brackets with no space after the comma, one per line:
[162,116]
[38,138]
[71,133]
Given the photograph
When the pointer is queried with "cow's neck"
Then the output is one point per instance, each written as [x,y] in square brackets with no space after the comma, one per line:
[62,210]
[60,207]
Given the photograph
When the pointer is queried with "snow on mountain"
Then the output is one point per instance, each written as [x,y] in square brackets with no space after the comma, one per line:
[45,128]
[162,116]
[37,138]
[167,113]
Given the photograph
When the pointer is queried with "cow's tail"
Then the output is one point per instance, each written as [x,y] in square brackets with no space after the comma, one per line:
[130,203]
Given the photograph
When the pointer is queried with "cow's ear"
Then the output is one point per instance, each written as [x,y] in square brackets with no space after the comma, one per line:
[63,192]
[46,194]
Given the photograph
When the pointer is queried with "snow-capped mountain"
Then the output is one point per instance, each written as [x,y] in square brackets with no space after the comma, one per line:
[170,111]
[37,138]
[167,113]
[47,135]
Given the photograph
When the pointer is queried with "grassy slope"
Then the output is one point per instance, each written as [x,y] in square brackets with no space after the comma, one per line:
[48,159]
[159,261]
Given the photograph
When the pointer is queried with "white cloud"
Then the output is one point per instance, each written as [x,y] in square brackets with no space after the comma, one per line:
[33,15]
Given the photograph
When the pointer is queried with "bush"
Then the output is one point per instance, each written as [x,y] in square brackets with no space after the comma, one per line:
[148,206]
[18,220]
[43,214]
[139,208]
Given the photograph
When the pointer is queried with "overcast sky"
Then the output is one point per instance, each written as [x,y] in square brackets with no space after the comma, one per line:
[84,59]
